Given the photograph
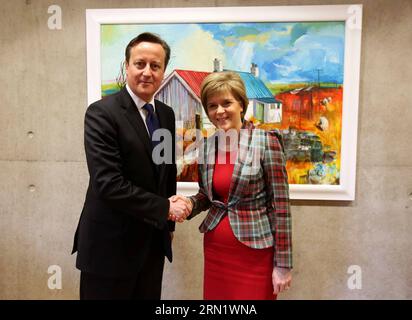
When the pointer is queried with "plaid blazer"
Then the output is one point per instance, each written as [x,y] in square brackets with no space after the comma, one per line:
[258,203]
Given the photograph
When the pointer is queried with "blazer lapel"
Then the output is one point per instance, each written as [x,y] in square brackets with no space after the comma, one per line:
[209,158]
[245,161]
[236,185]
[135,119]
[163,121]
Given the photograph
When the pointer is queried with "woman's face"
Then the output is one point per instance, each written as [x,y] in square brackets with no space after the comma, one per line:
[224,111]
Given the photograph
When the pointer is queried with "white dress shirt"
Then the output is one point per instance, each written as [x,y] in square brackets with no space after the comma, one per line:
[139,104]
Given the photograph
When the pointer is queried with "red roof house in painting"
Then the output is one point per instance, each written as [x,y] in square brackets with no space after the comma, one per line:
[181,91]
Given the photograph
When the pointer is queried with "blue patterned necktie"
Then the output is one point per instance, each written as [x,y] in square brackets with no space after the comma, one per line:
[152,122]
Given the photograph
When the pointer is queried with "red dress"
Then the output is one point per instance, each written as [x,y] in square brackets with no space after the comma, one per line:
[232,270]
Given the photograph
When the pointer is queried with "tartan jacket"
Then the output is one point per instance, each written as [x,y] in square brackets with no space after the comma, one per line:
[258,204]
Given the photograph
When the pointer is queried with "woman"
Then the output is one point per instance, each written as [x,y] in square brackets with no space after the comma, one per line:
[247,241]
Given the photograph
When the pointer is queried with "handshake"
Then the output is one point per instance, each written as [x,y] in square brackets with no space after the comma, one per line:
[180,208]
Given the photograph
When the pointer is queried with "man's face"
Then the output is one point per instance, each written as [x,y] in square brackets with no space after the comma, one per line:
[145,69]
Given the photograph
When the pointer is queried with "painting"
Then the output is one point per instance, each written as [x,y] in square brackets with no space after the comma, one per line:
[300,66]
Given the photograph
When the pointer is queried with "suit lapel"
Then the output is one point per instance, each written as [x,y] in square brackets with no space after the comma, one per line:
[163,121]
[135,119]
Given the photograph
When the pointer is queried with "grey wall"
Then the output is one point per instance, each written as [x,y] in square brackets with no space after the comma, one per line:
[43,176]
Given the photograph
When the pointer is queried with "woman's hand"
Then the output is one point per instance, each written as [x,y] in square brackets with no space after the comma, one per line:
[281,279]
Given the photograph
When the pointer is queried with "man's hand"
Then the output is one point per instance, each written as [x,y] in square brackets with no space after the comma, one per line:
[281,278]
[180,208]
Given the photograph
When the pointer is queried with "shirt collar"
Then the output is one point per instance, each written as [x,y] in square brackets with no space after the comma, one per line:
[139,102]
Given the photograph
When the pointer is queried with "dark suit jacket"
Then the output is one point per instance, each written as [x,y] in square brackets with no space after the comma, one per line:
[126,204]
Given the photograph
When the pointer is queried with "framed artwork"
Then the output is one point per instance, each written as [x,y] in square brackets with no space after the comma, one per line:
[300,65]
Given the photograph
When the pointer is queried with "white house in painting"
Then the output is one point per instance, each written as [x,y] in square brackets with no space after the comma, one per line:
[263,107]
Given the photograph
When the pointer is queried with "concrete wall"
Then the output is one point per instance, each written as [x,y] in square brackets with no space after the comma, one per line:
[43,172]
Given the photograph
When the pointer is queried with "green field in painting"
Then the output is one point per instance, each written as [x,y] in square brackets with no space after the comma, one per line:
[276,88]
[109,89]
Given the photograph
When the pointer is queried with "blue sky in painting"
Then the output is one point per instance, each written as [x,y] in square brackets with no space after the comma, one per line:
[293,52]
[284,52]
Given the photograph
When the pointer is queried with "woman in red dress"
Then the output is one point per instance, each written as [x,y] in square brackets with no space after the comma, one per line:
[243,182]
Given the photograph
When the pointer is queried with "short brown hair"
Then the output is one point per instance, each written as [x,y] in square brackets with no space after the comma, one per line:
[226,81]
[148,37]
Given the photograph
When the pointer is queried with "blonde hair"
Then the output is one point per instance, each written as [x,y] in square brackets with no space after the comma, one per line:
[226,81]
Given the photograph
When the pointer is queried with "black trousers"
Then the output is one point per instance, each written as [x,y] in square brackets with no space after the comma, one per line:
[145,285]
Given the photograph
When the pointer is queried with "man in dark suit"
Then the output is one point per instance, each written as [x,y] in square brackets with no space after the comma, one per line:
[125,232]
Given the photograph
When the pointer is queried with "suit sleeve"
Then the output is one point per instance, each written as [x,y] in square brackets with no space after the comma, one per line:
[276,179]
[105,167]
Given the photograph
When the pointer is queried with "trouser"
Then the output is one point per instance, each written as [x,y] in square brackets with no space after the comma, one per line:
[145,285]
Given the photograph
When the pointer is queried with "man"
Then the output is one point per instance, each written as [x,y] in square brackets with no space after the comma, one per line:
[124,233]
